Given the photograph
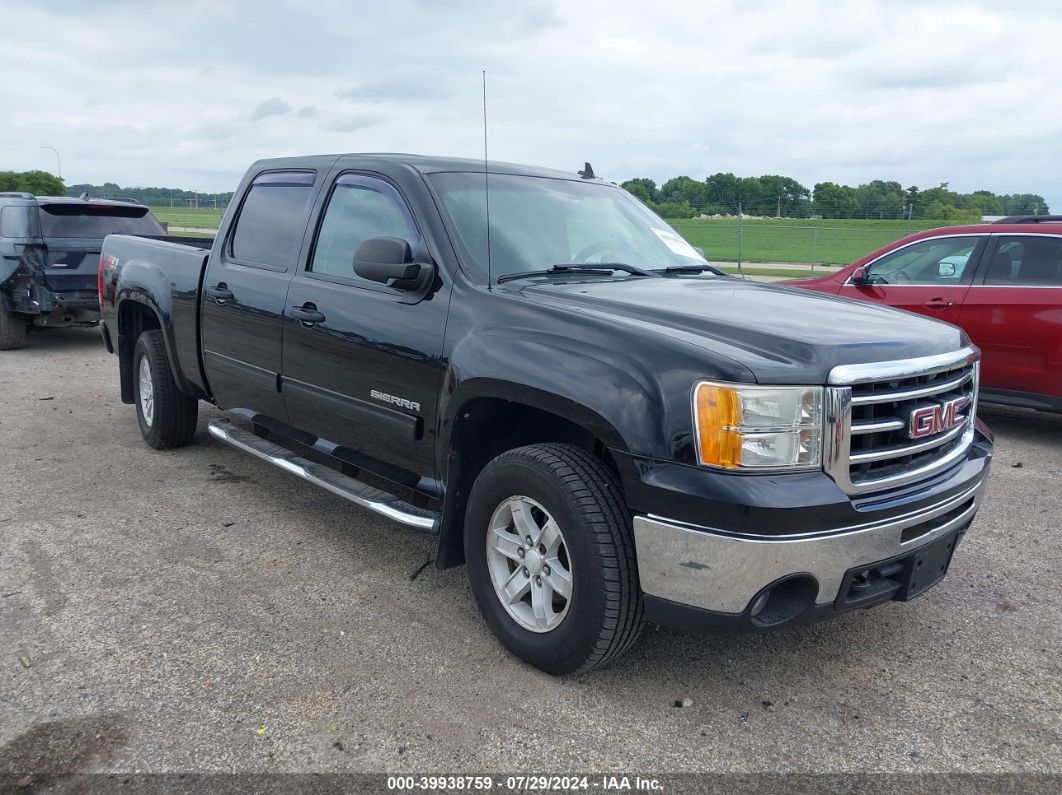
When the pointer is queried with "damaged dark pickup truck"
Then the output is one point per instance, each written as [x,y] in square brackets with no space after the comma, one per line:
[600,425]
[49,258]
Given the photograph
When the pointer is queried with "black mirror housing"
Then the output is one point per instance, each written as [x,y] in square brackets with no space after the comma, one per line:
[389,260]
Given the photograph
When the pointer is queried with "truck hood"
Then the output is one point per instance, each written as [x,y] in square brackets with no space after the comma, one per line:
[782,335]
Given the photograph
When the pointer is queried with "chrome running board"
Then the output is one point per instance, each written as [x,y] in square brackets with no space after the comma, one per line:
[376,500]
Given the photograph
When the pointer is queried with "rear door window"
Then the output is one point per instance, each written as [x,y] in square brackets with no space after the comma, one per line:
[273,218]
[96,221]
[1026,261]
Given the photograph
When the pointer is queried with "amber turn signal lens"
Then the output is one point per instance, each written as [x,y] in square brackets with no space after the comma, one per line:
[717,416]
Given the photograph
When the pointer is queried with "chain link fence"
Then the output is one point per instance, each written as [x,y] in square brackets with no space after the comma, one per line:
[803,241]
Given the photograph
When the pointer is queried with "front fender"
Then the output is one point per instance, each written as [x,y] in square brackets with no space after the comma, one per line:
[601,390]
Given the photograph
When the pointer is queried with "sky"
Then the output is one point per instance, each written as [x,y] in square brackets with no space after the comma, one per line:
[189,94]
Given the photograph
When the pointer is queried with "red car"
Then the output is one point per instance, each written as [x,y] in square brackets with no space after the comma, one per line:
[1001,282]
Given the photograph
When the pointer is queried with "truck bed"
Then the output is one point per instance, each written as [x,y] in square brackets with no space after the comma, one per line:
[166,273]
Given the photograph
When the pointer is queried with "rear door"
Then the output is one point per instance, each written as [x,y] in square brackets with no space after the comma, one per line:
[364,376]
[245,287]
[1013,312]
[73,234]
[930,276]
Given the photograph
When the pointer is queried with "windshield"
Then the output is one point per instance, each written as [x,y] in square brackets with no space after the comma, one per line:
[536,223]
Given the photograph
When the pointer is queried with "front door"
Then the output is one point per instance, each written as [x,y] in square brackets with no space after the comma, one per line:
[930,276]
[245,288]
[1014,314]
[363,372]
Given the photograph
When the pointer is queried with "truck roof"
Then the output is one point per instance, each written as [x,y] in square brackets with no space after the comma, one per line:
[425,164]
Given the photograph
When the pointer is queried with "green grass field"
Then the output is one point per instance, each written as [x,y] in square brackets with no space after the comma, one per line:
[202,218]
[830,242]
[782,273]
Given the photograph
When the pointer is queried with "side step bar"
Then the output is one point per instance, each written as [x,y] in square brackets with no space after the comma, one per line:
[376,500]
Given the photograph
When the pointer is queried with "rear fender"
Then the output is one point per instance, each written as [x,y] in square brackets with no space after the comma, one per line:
[133,302]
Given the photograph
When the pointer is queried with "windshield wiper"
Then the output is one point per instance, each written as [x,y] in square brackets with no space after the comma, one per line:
[706,268]
[579,267]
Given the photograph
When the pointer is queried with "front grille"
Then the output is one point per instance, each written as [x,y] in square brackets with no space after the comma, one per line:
[873,446]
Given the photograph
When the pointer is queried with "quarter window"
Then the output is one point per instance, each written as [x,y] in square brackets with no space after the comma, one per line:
[273,218]
[16,221]
[938,261]
[359,208]
[1026,261]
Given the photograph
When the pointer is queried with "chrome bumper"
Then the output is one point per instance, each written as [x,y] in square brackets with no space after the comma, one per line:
[720,571]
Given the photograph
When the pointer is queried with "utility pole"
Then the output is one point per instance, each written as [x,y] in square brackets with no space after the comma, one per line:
[779,214]
[58,161]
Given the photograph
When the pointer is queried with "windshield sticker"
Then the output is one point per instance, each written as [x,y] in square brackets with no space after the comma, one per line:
[676,243]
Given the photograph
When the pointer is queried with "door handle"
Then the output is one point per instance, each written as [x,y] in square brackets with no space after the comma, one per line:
[307,314]
[938,303]
[220,293]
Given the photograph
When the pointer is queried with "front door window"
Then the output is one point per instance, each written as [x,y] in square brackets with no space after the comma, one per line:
[940,261]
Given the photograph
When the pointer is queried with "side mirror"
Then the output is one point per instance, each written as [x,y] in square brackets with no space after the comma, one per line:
[946,269]
[859,276]
[699,250]
[389,260]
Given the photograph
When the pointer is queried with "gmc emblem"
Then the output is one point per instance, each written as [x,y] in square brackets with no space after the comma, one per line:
[933,419]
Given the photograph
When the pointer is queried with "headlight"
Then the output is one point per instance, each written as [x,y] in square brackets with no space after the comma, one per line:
[758,427]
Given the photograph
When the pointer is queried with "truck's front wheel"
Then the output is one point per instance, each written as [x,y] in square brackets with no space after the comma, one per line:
[167,417]
[551,558]
[13,327]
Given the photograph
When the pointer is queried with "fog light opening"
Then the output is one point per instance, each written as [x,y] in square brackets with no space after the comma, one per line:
[759,603]
[783,601]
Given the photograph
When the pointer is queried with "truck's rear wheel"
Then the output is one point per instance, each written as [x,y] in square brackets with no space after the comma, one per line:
[167,417]
[550,557]
[13,327]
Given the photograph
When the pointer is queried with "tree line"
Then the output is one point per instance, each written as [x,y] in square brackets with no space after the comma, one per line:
[679,197]
[153,197]
[777,196]
[39,183]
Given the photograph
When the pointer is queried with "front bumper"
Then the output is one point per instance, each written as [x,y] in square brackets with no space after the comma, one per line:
[703,578]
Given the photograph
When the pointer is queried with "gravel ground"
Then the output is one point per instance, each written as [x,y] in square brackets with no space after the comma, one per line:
[198,610]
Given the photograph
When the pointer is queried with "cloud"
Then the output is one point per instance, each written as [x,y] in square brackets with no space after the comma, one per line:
[922,93]
[274,106]
[391,90]
[358,121]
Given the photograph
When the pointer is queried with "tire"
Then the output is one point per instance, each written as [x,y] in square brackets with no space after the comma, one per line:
[167,417]
[602,615]
[13,327]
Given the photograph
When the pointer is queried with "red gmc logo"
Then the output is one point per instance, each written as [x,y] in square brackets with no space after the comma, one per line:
[929,420]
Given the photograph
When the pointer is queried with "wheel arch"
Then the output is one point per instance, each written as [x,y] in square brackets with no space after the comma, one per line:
[486,424]
[137,314]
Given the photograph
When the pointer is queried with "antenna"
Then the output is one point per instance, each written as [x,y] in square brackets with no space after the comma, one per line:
[486,179]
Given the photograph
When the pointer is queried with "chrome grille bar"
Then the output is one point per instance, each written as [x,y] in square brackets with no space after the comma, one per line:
[899,452]
[912,394]
[881,426]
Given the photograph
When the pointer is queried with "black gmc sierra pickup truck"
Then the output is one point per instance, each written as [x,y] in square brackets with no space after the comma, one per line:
[602,427]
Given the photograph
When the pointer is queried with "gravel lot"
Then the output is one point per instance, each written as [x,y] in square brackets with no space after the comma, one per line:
[198,610]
